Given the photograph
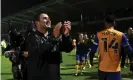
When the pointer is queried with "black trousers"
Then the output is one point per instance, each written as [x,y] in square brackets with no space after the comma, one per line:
[15,71]
[24,72]
[52,72]
[61,60]
[131,67]
[91,58]
[123,57]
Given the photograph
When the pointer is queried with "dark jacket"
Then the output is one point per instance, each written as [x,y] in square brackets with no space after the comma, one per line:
[130,38]
[42,51]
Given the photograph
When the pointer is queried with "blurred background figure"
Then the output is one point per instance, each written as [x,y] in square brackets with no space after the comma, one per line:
[130,39]
[3,46]
[74,45]
[86,51]
[79,54]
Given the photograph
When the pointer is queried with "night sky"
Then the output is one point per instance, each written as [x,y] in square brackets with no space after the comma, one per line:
[9,7]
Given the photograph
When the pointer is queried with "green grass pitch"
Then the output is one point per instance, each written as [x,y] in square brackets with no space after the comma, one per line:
[67,69]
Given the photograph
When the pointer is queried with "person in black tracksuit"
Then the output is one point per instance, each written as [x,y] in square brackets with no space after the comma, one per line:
[91,43]
[43,49]
[14,54]
[123,57]
[130,38]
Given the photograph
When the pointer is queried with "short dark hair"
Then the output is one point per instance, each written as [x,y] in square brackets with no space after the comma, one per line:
[37,17]
[110,19]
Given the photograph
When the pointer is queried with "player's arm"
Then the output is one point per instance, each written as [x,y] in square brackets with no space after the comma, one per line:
[95,45]
[127,48]
[93,49]
[74,43]
[66,44]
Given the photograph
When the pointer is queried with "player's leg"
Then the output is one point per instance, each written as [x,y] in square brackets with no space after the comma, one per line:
[102,75]
[15,71]
[82,62]
[88,61]
[123,58]
[91,58]
[77,63]
[85,61]
[131,68]
[114,76]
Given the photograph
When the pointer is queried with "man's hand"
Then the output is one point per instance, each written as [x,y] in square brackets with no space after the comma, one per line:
[56,30]
[25,54]
[67,28]
[74,43]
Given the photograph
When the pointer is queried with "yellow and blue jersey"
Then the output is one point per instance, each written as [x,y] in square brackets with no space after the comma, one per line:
[109,42]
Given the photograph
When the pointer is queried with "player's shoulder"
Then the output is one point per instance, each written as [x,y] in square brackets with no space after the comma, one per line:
[100,32]
[118,32]
[114,31]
